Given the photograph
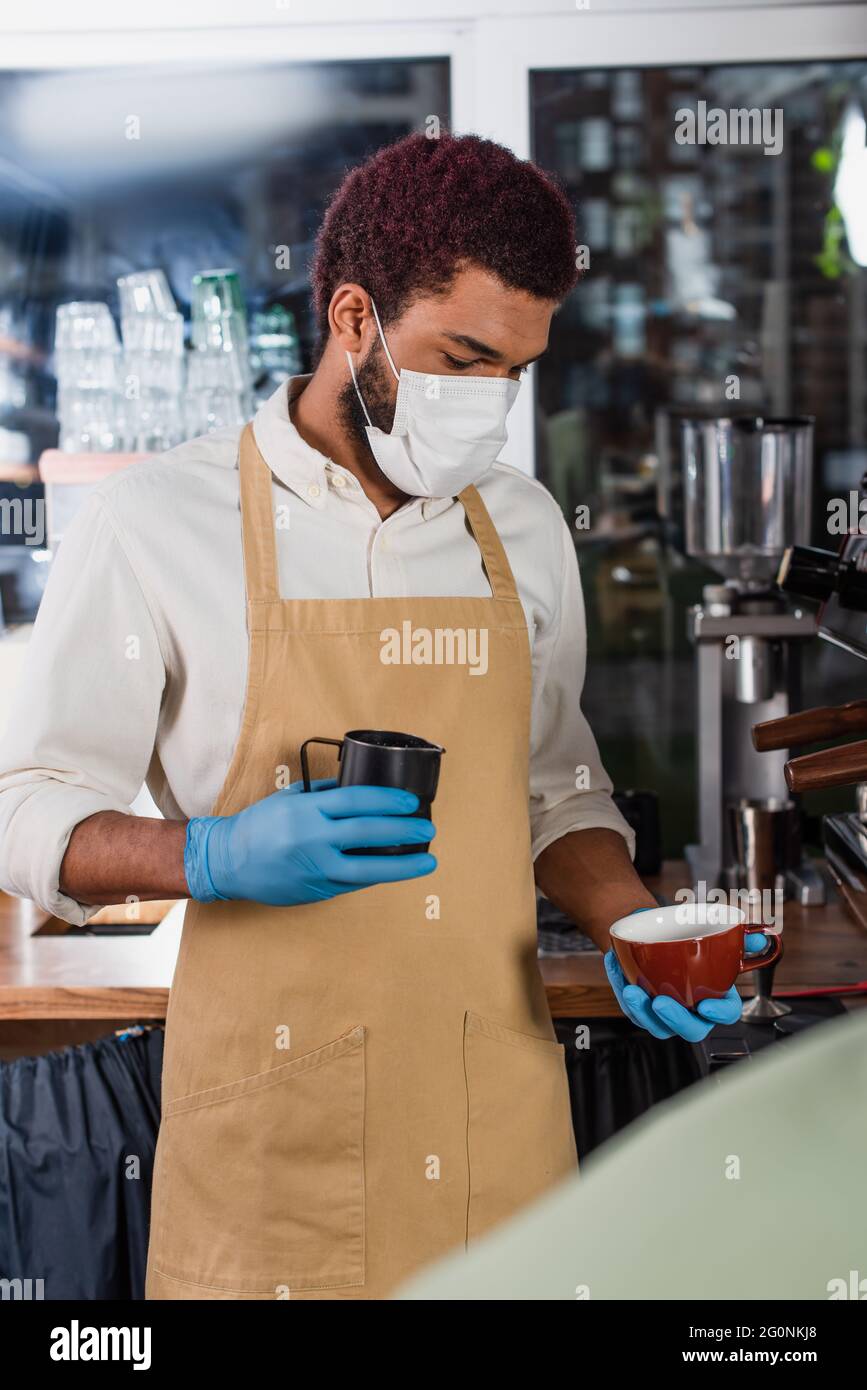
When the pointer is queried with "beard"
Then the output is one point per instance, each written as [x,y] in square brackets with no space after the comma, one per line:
[374,382]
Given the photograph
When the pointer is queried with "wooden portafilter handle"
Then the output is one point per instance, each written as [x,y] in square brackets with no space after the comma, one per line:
[811,726]
[843,766]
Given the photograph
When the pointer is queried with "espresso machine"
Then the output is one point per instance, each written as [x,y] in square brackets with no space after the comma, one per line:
[747,488]
[838,581]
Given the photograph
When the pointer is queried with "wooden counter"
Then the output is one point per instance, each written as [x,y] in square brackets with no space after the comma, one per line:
[119,979]
[823,946]
[63,975]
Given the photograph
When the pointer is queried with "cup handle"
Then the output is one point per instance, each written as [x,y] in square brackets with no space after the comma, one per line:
[305,770]
[773,953]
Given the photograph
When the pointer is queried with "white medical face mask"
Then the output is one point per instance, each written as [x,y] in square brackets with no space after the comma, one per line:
[447,431]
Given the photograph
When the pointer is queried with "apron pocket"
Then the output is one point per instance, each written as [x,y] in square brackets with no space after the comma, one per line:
[520,1139]
[259,1184]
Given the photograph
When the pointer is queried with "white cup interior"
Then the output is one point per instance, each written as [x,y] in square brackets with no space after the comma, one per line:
[679,922]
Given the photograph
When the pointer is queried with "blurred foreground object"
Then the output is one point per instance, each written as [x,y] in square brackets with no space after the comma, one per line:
[749,1187]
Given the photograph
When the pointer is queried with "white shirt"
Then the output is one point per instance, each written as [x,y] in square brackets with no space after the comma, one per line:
[137,664]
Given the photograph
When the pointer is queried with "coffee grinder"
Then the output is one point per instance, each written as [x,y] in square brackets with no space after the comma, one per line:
[747,484]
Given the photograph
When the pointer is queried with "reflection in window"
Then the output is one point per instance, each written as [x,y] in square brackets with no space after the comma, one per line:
[723,212]
[184,167]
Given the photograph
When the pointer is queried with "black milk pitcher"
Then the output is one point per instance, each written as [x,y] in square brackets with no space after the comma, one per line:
[383,758]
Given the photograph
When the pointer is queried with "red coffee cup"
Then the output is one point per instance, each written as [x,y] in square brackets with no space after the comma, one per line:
[690,951]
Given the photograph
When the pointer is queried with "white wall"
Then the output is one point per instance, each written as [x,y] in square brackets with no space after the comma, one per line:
[45,16]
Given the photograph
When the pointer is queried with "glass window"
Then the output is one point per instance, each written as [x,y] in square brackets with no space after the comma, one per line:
[721,276]
[183,167]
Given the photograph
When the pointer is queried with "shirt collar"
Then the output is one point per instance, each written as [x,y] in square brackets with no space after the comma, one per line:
[290,458]
[295,462]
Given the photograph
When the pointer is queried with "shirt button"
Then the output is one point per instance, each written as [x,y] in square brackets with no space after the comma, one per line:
[338,480]
[313,490]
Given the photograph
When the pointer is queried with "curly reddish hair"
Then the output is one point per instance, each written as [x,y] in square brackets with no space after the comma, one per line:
[404,222]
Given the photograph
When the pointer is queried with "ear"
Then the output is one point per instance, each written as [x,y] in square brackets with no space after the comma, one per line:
[350,317]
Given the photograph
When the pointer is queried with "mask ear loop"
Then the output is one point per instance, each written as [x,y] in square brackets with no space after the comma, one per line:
[388,355]
[357,392]
[382,336]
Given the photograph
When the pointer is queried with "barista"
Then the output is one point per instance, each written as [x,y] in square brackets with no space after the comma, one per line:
[360,1066]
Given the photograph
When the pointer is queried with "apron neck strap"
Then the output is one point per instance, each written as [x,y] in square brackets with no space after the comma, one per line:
[260,541]
[257,521]
[496,562]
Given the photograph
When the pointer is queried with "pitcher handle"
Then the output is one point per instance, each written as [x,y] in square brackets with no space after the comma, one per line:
[305,770]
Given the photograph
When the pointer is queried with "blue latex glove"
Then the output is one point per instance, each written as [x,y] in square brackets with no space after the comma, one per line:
[663,1016]
[288,848]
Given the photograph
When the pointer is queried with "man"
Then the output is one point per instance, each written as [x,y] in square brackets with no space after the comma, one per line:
[354,1080]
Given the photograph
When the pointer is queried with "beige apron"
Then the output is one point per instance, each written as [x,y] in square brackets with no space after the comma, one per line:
[354,1087]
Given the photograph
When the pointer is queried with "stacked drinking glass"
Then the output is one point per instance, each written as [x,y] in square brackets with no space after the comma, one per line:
[134,398]
[274,351]
[153,362]
[218,383]
[87,364]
